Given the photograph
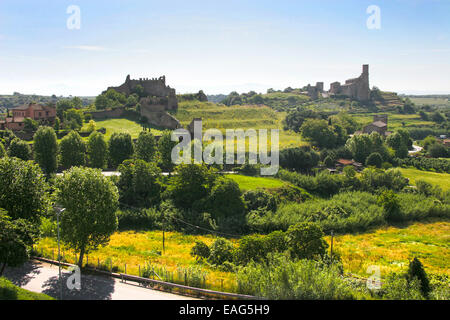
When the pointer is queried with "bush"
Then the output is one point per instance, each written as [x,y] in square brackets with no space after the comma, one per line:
[259,199]
[397,287]
[145,219]
[305,241]
[200,250]
[283,279]
[19,149]
[221,251]
[374,159]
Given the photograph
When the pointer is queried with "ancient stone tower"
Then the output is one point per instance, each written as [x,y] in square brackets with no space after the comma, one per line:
[356,88]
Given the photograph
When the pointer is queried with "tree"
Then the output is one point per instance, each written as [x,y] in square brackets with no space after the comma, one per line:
[91,201]
[57,124]
[305,241]
[16,238]
[120,148]
[22,189]
[101,102]
[300,159]
[165,146]
[74,118]
[374,159]
[360,146]
[437,117]
[46,149]
[30,125]
[146,146]
[329,162]
[319,133]
[225,200]
[19,149]
[139,183]
[62,106]
[192,183]
[416,270]
[97,150]
[72,150]
[438,150]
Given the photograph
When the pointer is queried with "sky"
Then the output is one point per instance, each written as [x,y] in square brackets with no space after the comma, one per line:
[222,46]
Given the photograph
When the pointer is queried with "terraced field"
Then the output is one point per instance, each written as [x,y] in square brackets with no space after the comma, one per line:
[237,117]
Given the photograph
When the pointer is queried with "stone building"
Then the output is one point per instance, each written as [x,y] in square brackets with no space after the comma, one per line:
[157,101]
[379,124]
[357,88]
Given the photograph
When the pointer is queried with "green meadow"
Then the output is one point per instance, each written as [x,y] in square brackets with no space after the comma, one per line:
[439,179]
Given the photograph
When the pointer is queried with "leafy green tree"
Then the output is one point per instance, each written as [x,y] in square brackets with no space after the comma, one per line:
[120,148]
[46,149]
[319,133]
[225,199]
[30,125]
[57,124]
[360,146]
[374,159]
[22,189]
[97,150]
[329,162]
[75,117]
[300,159]
[101,102]
[91,201]
[416,270]
[165,146]
[221,251]
[146,146]
[16,238]
[19,149]
[77,103]
[139,183]
[305,241]
[73,150]
[437,117]
[438,150]
[62,106]
[191,184]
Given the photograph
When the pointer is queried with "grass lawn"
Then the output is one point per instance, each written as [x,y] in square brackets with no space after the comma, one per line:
[440,179]
[121,125]
[252,183]
[392,248]
[9,291]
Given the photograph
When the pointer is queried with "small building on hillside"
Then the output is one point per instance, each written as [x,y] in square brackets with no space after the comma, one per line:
[379,124]
[341,163]
[33,111]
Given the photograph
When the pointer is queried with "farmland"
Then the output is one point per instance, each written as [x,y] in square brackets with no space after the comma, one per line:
[391,248]
[121,125]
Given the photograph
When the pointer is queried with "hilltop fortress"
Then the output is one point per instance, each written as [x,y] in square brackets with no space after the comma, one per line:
[157,100]
[356,88]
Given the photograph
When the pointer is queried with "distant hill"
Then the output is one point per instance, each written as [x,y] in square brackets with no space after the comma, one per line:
[18,99]
[216,98]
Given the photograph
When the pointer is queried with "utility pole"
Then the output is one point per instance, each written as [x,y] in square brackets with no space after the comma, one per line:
[58,213]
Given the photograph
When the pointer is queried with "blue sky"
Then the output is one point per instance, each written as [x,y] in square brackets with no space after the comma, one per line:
[222,46]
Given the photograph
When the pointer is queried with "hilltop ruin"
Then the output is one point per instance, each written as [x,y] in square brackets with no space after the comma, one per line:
[156,100]
[356,88]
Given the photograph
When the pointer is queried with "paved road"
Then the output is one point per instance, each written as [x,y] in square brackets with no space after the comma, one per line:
[43,277]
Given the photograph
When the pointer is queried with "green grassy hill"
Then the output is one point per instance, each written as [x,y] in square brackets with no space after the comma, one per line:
[244,117]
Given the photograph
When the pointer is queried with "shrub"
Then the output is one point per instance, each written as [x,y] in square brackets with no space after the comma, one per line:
[281,278]
[374,159]
[416,271]
[221,251]
[200,250]
[19,149]
[259,199]
[397,287]
[305,241]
